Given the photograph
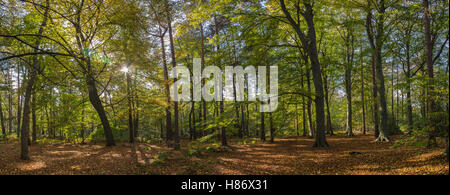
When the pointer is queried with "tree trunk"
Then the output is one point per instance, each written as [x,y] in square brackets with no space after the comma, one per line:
[303,104]
[369,30]
[82,128]
[136,120]
[130,109]
[362,98]
[33,118]
[348,63]
[25,137]
[224,132]
[309,43]
[392,92]
[167,90]
[236,105]
[309,102]
[397,100]
[10,117]
[349,103]
[135,108]
[271,129]
[446,147]
[19,102]
[429,53]
[200,118]
[383,136]
[223,129]
[296,121]
[47,116]
[263,132]
[202,55]
[248,120]
[408,80]
[193,133]
[423,103]
[190,125]
[348,91]
[97,104]
[242,120]
[329,125]
[317,77]
[176,135]
[2,119]
[381,99]
[203,67]
[161,133]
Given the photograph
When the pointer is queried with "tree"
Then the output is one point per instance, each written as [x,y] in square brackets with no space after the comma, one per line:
[29,89]
[430,72]
[175,104]
[159,18]
[376,43]
[362,96]
[347,35]
[2,119]
[309,43]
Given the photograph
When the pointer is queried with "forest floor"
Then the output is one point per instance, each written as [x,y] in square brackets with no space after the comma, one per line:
[358,155]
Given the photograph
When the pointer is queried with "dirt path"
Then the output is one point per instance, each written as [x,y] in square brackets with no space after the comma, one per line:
[356,155]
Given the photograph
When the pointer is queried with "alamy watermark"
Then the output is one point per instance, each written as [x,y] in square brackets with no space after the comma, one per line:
[214,90]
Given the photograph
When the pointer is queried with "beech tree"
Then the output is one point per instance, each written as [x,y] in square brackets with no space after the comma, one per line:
[309,42]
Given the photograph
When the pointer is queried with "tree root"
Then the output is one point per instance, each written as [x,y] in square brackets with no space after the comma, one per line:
[382,138]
